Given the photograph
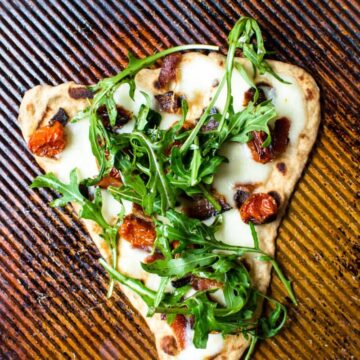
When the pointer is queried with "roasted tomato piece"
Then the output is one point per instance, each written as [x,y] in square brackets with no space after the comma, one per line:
[179,327]
[204,284]
[168,70]
[259,208]
[139,232]
[48,140]
[169,102]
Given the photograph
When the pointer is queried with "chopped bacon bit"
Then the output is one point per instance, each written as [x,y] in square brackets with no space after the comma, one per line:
[240,197]
[259,208]
[204,284]
[153,257]
[181,282]
[249,96]
[179,327]
[168,345]
[108,180]
[48,141]
[80,93]
[259,153]
[200,208]
[169,102]
[123,117]
[112,179]
[280,137]
[61,116]
[139,232]
[168,70]
[280,140]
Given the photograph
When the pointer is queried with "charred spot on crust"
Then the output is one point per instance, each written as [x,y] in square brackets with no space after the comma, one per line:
[240,197]
[276,196]
[169,102]
[281,166]
[123,116]
[61,116]
[80,93]
[309,94]
[168,70]
[200,208]
[169,345]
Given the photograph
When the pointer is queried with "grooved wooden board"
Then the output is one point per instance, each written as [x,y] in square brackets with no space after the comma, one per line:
[52,290]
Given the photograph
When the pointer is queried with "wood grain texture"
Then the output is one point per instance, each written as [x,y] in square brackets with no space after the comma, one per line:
[52,290]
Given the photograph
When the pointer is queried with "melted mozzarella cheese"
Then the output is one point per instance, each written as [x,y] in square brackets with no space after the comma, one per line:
[214,346]
[234,231]
[288,100]
[241,169]
[77,154]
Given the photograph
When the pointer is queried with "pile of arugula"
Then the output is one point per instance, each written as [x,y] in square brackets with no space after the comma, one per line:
[157,167]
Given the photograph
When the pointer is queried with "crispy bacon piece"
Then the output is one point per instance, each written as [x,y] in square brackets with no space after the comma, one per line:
[153,257]
[200,208]
[179,327]
[168,345]
[280,137]
[249,96]
[112,179]
[280,140]
[80,93]
[123,116]
[168,70]
[168,102]
[204,284]
[259,153]
[240,197]
[139,232]
[61,116]
[48,141]
[259,208]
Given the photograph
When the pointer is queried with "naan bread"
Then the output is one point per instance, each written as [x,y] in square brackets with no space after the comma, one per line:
[42,102]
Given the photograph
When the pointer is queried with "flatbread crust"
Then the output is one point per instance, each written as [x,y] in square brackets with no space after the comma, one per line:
[42,102]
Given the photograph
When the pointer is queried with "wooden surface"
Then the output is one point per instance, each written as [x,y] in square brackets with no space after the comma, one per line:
[52,290]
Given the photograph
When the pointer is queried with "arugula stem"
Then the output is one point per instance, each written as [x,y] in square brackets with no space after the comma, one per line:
[284,280]
[253,342]
[132,284]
